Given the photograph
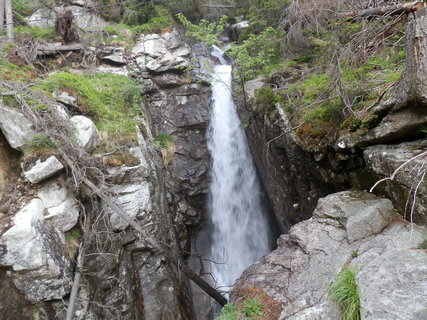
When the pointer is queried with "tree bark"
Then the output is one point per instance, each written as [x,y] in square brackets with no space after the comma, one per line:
[9,19]
[1,14]
[386,10]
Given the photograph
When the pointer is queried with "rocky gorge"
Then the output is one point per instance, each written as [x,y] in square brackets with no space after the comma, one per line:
[320,199]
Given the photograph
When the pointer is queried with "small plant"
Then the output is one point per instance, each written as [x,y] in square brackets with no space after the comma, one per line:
[164,140]
[167,147]
[229,312]
[41,141]
[344,292]
[423,244]
[72,243]
[252,307]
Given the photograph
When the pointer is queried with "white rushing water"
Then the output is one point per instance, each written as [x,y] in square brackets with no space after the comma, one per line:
[240,228]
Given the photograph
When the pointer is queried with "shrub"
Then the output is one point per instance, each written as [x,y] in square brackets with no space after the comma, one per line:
[205,31]
[344,292]
[258,54]
[41,141]
[266,98]
[149,19]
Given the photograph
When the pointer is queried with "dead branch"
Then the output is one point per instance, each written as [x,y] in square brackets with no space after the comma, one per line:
[396,9]
[172,258]
[79,269]
[391,178]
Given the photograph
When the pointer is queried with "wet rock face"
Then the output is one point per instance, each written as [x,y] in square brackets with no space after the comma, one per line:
[347,228]
[292,178]
[178,103]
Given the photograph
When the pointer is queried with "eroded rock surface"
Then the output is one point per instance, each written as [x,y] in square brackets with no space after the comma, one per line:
[391,268]
[409,182]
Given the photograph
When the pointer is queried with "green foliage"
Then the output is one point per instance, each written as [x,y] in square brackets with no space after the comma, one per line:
[344,292]
[251,309]
[229,312]
[26,7]
[205,31]
[266,98]
[269,11]
[41,141]
[113,100]
[259,54]
[315,87]
[37,32]
[150,19]
[164,140]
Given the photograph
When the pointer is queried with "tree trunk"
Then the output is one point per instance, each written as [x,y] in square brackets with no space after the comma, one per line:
[9,18]
[386,10]
[1,14]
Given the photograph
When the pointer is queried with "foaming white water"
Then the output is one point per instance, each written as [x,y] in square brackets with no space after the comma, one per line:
[240,228]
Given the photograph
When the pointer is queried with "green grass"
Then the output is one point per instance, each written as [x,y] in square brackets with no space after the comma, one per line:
[344,292]
[251,309]
[112,100]
[164,140]
[11,71]
[229,312]
[37,32]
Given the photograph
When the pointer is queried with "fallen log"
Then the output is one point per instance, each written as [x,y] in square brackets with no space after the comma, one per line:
[46,50]
[396,9]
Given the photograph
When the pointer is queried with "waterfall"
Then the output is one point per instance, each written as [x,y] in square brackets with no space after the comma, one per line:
[240,231]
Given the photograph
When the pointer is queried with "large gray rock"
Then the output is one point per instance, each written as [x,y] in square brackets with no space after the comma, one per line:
[300,271]
[385,159]
[396,126]
[43,169]
[86,134]
[62,210]
[16,127]
[251,86]
[400,280]
[159,53]
[23,242]
[134,199]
